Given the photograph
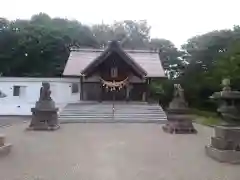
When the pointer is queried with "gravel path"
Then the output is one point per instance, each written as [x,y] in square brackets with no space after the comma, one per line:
[110,152]
[10,120]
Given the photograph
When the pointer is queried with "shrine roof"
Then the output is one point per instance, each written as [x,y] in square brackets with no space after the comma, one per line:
[146,61]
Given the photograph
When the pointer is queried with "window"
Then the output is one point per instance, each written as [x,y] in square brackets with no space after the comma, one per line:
[75,88]
[16,90]
[114,72]
[19,91]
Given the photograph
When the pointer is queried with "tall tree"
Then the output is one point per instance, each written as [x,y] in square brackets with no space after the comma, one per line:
[169,55]
[132,34]
[202,75]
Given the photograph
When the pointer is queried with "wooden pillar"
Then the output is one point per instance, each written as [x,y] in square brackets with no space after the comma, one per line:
[147,88]
[127,92]
[101,92]
[81,88]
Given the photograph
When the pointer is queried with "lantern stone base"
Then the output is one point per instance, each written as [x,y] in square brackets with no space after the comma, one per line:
[44,119]
[43,127]
[225,146]
[226,156]
[4,148]
[179,124]
[179,127]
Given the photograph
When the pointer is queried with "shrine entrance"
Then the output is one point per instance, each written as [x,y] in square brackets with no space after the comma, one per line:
[114,91]
[111,76]
[114,95]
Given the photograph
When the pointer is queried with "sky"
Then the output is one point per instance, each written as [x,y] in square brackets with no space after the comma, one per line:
[175,20]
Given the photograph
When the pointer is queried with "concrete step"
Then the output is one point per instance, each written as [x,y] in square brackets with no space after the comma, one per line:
[109,117]
[99,113]
[102,113]
[65,121]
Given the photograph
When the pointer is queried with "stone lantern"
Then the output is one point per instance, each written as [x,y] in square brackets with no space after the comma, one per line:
[179,119]
[225,146]
[44,114]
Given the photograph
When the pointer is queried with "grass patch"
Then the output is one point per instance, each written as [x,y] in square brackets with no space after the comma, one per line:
[206,118]
[208,121]
[204,113]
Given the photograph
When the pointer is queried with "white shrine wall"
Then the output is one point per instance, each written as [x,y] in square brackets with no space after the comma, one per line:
[21,102]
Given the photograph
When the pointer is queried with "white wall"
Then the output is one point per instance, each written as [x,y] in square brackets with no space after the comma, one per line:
[21,105]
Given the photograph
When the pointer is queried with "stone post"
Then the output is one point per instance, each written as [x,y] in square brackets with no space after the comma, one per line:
[4,148]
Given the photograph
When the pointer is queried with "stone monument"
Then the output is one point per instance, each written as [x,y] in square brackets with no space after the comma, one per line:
[225,146]
[4,148]
[179,119]
[44,114]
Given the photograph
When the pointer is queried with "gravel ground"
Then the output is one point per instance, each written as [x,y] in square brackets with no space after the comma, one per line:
[110,152]
[10,120]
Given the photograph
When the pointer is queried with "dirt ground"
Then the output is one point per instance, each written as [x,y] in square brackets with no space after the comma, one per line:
[110,152]
[10,120]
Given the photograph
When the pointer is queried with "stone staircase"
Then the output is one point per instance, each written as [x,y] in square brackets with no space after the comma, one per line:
[93,112]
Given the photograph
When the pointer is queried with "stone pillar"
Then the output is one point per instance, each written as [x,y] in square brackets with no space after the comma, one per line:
[2,140]
[4,148]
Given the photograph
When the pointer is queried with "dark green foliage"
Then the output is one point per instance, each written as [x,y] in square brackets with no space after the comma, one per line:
[162,90]
[41,46]
[211,57]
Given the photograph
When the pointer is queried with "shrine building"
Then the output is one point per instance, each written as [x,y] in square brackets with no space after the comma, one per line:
[89,75]
[114,73]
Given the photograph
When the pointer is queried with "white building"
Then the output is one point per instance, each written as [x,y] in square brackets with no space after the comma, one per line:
[22,93]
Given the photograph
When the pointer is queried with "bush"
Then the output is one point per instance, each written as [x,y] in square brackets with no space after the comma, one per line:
[161,90]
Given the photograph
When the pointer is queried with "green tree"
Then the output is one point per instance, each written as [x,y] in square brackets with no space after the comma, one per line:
[170,56]
[132,34]
[40,46]
[202,75]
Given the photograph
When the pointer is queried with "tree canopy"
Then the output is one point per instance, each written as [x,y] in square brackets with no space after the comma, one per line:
[41,46]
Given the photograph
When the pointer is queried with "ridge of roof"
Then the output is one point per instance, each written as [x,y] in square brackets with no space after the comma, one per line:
[126,50]
[145,62]
[115,48]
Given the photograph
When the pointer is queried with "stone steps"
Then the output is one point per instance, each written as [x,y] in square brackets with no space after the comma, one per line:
[103,113]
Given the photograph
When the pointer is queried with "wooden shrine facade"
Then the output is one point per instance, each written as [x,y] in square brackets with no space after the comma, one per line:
[126,70]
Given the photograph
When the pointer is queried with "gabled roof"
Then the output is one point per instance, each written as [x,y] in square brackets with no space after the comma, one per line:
[146,62]
[114,47]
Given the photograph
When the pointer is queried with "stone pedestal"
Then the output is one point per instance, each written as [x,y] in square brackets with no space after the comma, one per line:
[44,116]
[4,148]
[179,124]
[225,146]
[179,119]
